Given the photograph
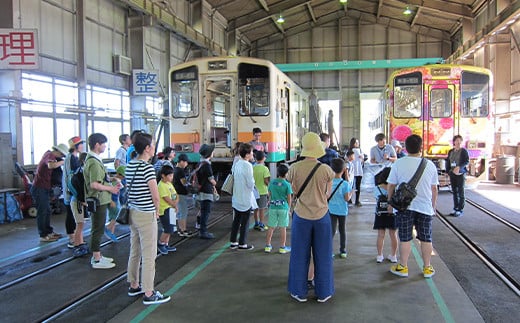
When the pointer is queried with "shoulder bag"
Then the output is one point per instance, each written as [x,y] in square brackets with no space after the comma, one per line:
[406,192]
[123,216]
[307,180]
[337,187]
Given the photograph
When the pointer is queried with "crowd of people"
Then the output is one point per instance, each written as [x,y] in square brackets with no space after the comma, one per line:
[314,194]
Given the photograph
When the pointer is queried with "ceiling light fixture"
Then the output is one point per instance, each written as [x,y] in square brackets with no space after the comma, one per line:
[407,11]
[343,1]
[280,19]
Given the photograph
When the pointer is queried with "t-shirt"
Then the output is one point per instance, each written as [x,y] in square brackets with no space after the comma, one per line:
[180,178]
[121,156]
[378,153]
[279,188]
[166,189]
[204,175]
[312,204]
[94,171]
[337,203]
[260,171]
[403,170]
[139,196]
[42,179]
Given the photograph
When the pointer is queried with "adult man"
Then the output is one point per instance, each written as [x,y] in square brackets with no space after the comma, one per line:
[98,187]
[256,143]
[421,210]
[41,191]
[120,159]
[456,166]
[382,153]
[330,153]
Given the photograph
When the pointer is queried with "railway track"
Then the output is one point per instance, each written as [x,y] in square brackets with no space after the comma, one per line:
[479,245]
[101,281]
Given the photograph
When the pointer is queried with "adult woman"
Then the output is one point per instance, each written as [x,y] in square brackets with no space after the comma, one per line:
[143,200]
[242,197]
[311,223]
[207,182]
[357,169]
[456,163]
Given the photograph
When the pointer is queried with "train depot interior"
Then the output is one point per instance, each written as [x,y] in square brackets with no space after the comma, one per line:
[208,72]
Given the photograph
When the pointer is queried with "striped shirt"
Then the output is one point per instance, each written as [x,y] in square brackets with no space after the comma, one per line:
[139,196]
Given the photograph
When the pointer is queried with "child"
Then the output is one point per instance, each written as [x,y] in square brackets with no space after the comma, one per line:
[79,212]
[349,163]
[338,203]
[262,176]
[279,192]
[383,220]
[115,205]
[167,204]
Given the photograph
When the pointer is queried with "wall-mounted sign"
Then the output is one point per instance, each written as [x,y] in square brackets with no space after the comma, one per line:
[19,49]
[145,82]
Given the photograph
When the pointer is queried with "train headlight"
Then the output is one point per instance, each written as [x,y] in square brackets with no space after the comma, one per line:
[184,148]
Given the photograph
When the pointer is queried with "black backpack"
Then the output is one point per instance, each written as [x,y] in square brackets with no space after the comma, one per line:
[76,184]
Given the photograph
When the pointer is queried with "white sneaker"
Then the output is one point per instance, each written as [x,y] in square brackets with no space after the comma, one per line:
[102,259]
[101,264]
[380,259]
[107,259]
[392,258]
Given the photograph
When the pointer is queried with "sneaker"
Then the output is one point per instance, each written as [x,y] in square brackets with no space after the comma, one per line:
[135,291]
[70,244]
[79,251]
[233,245]
[359,204]
[380,258]
[458,213]
[285,249]
[56,235]
[246,247]
[207,236]
[171,248]
[107,260]
[263,226]
[268,248]
[343,255]
[110,235]
[323,300]
[399,270]
[155,298]
[102,264]
[428,271]
[48,238]
[163,249]
[392,258]
[299,298]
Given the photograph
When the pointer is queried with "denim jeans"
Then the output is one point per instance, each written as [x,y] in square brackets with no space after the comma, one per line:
[205,209]
[457,186]
[42,198]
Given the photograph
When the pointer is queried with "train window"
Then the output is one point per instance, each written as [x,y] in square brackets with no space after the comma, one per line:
[184,99]
[408,95]
[253,90]
[474,94]
[441,103]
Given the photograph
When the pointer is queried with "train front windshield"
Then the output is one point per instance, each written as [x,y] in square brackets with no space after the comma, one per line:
[253,90]
[184,93]
[474,94]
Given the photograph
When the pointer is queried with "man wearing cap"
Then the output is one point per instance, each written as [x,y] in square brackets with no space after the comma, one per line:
[310,231]
[70,165]
[207,183]
[41,191]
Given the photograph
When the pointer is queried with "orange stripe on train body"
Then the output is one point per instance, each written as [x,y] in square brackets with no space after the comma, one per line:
[184,137]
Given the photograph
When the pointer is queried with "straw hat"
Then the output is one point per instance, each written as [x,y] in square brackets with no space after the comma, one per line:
[75,141]
[62,148]
[312,145]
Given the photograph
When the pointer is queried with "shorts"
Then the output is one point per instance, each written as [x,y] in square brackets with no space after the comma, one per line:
[182,207]
[278,218]
[406,220]
[262,201]
[79,215]
[168,227]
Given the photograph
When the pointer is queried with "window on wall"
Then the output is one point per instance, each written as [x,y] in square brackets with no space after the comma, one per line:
[51,113]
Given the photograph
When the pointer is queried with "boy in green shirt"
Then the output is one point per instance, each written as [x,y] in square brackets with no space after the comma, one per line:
[262,176]
[279,200]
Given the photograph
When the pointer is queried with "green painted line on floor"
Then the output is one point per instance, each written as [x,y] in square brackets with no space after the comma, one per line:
[181,283]
[445,311]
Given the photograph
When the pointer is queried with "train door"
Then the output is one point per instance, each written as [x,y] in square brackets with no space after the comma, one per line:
[440,121]
[217,114]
